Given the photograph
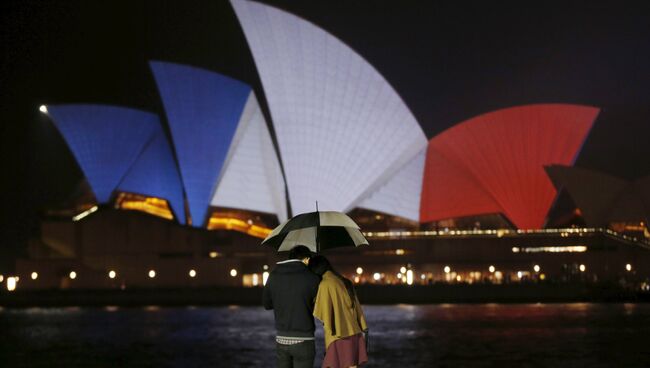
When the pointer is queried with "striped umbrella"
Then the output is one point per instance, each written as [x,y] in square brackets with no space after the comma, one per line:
[316,230]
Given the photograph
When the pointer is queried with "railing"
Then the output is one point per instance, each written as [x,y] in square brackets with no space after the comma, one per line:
[498,233]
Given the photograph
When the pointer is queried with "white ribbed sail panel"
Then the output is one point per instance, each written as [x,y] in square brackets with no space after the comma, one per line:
[400,196]
[342,129]
[251,178]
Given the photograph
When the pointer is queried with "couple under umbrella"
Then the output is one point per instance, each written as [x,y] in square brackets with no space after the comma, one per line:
[306,286]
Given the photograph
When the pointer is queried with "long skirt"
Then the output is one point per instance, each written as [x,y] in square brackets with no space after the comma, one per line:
[346,352]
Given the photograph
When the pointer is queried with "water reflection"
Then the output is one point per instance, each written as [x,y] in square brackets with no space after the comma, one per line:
[535,335]
[629,308]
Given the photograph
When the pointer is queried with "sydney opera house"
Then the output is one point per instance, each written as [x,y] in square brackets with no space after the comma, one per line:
[184,199]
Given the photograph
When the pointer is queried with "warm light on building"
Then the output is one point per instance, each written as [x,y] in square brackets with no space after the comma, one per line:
[459,278]
[232,223]
[152,274]
[520,274]
[447,269]
[628,267]
[399,276]
[34,275]
[499,233]
[558,249]
[43,109]
[583,268]
[2,278]
[542,277]
[233,272]
[536,268]
[376,276]
[491,269]
[11,283]
[213,254]
[359,270]
[399,252]
[402,270]
[356,279]
[423,277]
[85,213]
[409,277]
[154,206]
[112,274]
[72,275]
[256,279]
[265,277]
[192,273]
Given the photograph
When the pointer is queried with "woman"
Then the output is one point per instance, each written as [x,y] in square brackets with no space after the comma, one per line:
[344,324]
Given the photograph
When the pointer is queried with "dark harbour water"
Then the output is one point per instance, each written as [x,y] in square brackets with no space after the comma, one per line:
[486,335]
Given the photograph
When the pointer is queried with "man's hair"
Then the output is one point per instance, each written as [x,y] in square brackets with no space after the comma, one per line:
[299,252]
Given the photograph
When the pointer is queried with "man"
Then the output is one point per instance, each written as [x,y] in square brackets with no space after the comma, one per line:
[290,291]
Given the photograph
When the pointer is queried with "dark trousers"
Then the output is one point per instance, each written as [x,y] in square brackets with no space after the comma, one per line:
[296,356]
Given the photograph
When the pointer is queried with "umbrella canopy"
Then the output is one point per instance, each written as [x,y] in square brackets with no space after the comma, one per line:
[316,230]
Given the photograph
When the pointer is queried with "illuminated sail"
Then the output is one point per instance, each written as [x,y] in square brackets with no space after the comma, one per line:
[342,130]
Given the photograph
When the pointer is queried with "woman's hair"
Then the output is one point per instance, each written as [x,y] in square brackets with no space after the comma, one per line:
[319,265]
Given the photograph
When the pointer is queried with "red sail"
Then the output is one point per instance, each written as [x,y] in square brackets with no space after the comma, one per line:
[495,162]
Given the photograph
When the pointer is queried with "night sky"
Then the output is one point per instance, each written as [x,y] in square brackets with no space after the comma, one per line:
[449,61]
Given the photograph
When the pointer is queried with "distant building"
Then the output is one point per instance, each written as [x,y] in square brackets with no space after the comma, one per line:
[222,172]
[604,200]
[116,249]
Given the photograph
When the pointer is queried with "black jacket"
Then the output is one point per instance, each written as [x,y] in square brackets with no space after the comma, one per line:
[290,291]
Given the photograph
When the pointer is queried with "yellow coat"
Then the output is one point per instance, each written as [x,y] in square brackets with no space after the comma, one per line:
[334,308]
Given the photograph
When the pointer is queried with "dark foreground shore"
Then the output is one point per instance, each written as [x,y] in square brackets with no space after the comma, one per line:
[594,335]
[443,293]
